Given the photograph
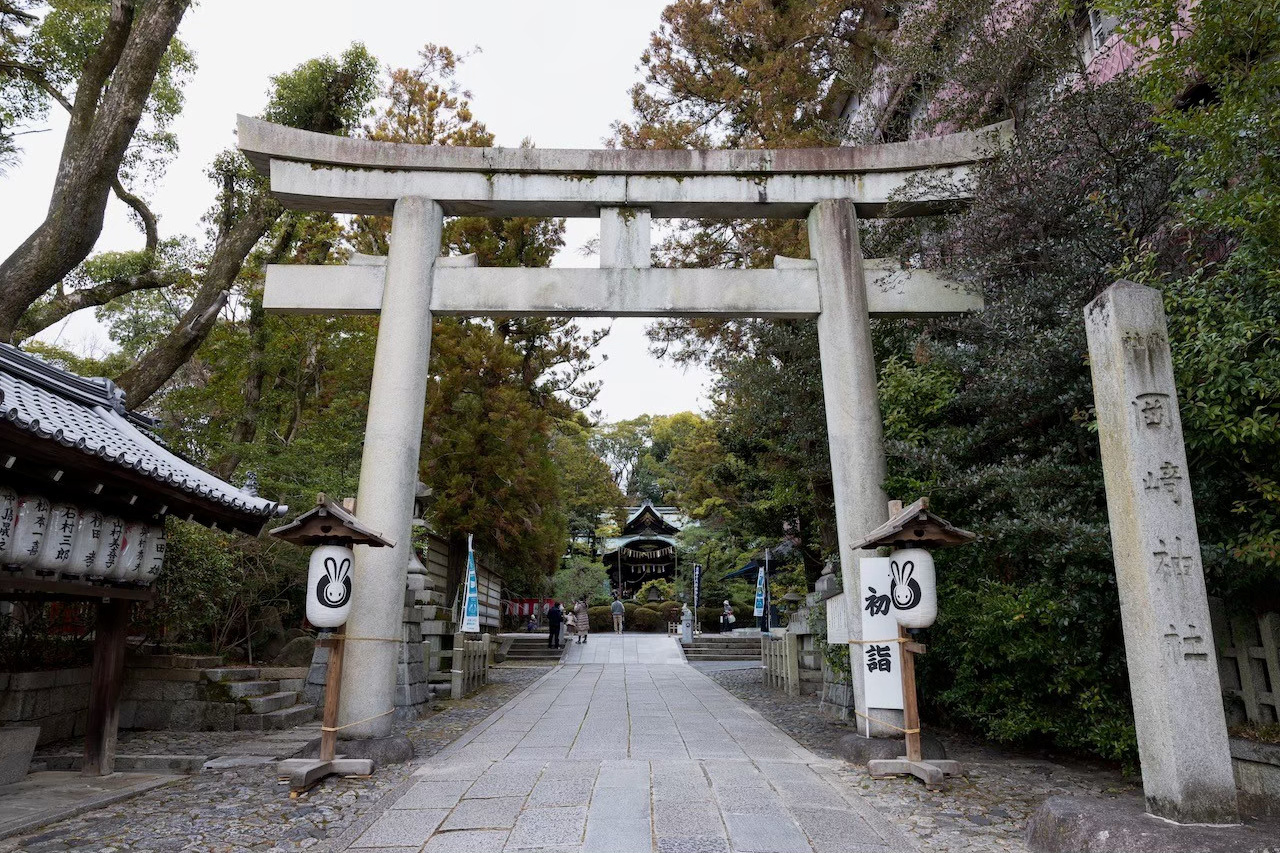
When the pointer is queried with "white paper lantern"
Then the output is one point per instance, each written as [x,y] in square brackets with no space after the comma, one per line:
[329,586]
[8,524]
[913,587]
[153,556]
[33,522]
[107,562]
[88,540]
[133,545]
[56,553]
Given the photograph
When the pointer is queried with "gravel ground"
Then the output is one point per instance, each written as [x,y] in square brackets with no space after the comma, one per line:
[248,808]
[985,811]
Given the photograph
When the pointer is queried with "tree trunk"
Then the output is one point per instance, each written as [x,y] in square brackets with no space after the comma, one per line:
[111,93]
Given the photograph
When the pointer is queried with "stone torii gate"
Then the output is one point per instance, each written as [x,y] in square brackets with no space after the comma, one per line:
[419,185]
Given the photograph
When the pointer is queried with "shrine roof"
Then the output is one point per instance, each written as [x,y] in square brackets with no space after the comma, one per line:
[611,545]
[648,520]
[53,419]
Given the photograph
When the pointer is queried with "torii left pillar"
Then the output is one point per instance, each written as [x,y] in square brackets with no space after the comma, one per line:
[389,470]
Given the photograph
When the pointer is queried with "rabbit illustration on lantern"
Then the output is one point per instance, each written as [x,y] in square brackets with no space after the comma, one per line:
[903,588]
[329,586]
[334,587]
[913,587]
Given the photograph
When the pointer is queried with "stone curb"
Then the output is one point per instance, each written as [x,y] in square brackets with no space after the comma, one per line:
[87,806]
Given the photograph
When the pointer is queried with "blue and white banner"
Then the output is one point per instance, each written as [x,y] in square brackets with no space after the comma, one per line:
[697,587]
[760,581]
[471,605]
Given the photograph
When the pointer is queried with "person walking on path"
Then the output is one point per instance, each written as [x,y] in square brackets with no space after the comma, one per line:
[580,619]
[554,617]
[618,610]
[727,618]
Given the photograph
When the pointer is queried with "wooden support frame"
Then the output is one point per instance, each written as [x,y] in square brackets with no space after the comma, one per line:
[933,772]
[18,588]
[302,773]
[101,730]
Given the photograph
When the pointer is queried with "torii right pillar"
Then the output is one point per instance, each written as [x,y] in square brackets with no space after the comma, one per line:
[1173,667]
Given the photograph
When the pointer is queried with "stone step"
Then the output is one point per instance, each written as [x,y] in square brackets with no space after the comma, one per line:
[245,689]
[186,764]
[269,702]
[294,684]
[695,656]
[285,718]
[282,673]
[230,673]
[174,661]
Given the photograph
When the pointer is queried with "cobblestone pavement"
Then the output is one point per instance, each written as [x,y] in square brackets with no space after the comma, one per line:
[985,811]
[637,753]
[246,808]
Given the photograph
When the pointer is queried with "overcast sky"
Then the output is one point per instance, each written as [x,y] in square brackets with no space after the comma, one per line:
[556,71]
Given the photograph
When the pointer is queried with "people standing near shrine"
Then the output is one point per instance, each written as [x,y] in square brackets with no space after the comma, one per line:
[554,617]
[618,611]
[580,621]
[727,618]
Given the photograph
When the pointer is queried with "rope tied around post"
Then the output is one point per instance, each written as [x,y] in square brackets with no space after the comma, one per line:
[356,723]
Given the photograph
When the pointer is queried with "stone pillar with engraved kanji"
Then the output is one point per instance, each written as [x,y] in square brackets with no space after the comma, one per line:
[1173,668]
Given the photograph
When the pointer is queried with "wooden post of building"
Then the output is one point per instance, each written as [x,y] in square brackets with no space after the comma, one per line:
[332,694]
[910,710]
[110,633]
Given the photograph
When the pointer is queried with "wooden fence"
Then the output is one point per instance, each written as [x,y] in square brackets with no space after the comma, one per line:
[470,664]
[1248,663]
[780,660]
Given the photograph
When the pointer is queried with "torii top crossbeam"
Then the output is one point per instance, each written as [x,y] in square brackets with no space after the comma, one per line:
[337,174]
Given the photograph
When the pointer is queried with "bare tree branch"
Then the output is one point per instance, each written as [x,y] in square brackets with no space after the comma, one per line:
[149,225]
[43,315]
[164,359]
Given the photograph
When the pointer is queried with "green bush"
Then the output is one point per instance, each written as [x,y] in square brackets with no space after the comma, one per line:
[670,610]
[1023,663]
[600,618]
[645,619]
[709,618]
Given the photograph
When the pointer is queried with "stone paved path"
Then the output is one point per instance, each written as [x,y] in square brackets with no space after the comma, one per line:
[627,748]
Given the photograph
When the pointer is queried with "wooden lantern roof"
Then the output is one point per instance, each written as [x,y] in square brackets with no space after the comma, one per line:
[915,526]
[327,523]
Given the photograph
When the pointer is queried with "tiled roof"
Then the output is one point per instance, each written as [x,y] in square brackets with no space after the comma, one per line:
[89,415]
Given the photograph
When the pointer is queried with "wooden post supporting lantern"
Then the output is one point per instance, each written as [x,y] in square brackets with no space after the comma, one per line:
[908,536]
[333,531]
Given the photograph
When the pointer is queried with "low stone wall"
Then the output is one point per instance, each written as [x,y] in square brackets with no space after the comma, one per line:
[175,700]
[56,700]
[1257,771]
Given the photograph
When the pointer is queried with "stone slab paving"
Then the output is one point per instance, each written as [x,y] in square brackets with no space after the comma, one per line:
[626,748]
[27,804]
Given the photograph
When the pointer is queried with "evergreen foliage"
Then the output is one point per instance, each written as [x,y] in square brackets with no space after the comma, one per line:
[992,415]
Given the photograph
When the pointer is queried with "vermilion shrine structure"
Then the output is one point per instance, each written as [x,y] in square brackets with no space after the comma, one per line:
[831,187]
